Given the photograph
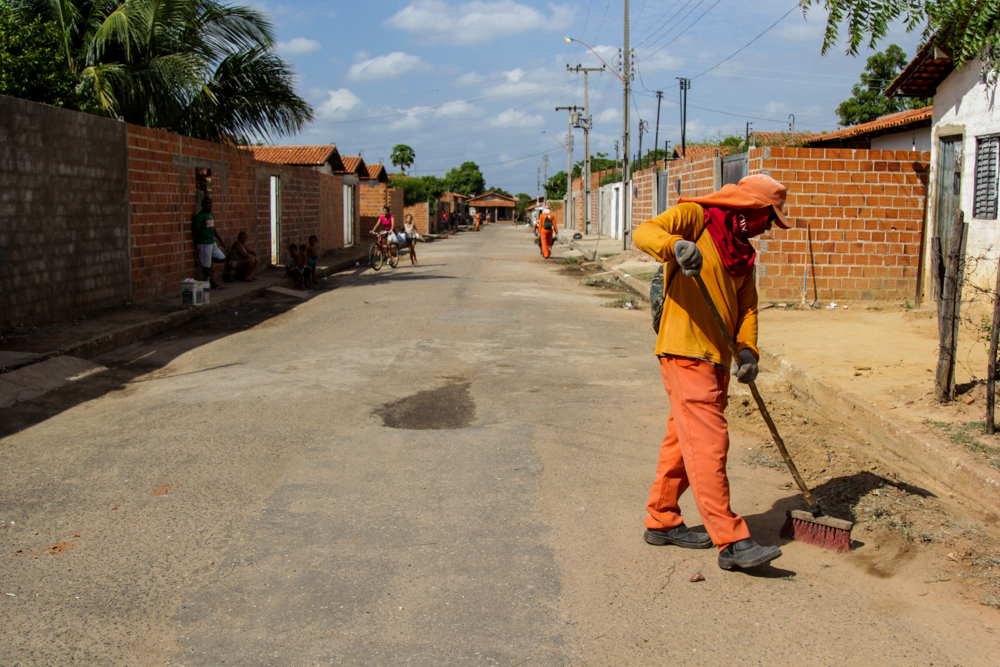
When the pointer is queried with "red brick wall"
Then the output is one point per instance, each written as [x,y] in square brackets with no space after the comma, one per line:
[580,200]
[163,200]
[863,210]
[697,177]
[643,196]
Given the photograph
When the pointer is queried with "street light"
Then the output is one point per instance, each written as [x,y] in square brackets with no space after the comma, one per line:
[571,39]
[557,140]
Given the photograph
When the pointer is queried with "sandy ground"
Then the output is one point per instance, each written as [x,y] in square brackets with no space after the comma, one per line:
[445,465]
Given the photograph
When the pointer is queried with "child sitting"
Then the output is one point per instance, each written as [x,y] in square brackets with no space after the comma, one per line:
[302,261]
[292,269]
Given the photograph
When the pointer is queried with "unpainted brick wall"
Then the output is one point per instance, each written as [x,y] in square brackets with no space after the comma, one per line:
[863,212]
[163,200]
[580,200]
[63,214]
[373,198]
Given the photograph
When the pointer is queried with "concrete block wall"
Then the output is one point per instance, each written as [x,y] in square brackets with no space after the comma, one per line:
[63,213]
[863,212]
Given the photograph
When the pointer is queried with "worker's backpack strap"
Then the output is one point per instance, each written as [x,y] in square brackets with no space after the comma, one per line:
[658,291]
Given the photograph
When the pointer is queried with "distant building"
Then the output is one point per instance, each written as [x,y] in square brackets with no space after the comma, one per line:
[908,130]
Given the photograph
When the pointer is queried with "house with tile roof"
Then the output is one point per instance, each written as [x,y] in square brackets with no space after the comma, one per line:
[495,205]
[965,158]
[324,159]
[908,130]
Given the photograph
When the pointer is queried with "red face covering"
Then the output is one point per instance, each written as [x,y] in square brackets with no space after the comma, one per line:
[731,230]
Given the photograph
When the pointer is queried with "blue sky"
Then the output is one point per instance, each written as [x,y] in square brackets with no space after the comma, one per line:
[480,80]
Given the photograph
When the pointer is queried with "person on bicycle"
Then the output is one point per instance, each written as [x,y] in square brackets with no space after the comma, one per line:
[384,225]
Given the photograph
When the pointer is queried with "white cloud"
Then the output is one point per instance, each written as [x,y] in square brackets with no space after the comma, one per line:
[300,46]
[517,119]
[339,103]
[470,22]
[470,79]
[389,66]
[776,107]
[415,117]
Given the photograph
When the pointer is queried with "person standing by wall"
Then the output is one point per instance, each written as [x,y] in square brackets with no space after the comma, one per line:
[695,359]
[205,236]
[547,229]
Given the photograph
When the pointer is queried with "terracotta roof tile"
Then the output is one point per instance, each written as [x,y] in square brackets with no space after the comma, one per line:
[377,172]
[353,164]
[922,76]
[903,119]
[312,156]
[781,139]
[696,152]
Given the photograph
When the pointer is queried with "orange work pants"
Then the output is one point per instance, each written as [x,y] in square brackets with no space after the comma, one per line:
[694,451]
[546,236]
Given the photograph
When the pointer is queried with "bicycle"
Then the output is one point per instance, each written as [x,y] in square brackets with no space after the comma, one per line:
[383,251]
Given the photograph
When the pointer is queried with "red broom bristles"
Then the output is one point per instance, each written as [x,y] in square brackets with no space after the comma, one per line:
[835,539]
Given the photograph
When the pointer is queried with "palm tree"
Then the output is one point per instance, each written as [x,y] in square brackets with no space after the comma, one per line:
[402,156]
[197,67]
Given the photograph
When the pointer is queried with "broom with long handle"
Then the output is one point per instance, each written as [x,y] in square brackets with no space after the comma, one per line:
[807,526]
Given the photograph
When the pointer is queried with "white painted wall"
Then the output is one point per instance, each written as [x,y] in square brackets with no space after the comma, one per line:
[964,105]
[910,140]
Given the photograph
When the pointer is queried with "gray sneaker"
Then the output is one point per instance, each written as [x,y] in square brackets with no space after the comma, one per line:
[679,536]
[746,553]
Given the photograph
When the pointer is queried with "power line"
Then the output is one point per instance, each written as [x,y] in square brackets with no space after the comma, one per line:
[678,36]
[796,6]
[675,26]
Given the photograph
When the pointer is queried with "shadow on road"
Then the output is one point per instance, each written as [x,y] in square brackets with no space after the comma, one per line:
[126,365]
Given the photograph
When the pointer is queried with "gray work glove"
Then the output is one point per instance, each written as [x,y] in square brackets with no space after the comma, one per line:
[688,257]
[748,370]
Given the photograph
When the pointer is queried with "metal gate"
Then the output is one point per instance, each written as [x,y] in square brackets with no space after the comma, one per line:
[735,167]
[662,191]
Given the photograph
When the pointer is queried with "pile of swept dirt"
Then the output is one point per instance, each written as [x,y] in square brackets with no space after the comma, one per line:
[897,519]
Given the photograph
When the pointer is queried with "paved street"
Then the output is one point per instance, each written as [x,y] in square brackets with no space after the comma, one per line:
[440,465]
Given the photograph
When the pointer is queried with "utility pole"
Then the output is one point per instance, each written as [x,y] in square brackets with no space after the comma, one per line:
[626,84]
[748,134]
[643,126]
[569,221]
[617,166]
[546,179]
[656,133]
[538,182]
[685,86]
[586,142]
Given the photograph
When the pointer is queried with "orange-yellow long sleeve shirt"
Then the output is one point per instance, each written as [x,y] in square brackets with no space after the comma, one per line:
[687,328]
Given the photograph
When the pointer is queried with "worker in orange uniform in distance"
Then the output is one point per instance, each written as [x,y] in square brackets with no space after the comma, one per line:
[695,360]
[546,230]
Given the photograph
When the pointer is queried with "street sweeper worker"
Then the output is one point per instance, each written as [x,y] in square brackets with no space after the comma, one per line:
[546,229]
[707,236]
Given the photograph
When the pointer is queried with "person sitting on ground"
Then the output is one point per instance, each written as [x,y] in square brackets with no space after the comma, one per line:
[292,269]
[302,261]
[411,234]
[205,236]
[242,260]
[313,256]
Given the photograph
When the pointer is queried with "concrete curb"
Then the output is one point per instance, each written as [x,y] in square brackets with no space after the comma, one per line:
[954,469]
[928,454]
[112,340]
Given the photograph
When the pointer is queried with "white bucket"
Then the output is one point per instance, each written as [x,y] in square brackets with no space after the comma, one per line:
[206,292]
[191,294]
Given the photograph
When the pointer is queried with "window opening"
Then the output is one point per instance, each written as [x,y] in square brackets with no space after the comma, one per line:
[985,200]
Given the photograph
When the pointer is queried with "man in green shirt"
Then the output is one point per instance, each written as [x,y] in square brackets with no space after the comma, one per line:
[203,230]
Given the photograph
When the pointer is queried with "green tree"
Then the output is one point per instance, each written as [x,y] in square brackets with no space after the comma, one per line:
[555,188]
[31,67]
[867,101]
[402,156]
[418,190]
[970,29]
[522,203]
[466,179]
[499,191]
[198,67]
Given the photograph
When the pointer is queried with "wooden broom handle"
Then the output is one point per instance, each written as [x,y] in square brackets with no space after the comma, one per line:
[813,507]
